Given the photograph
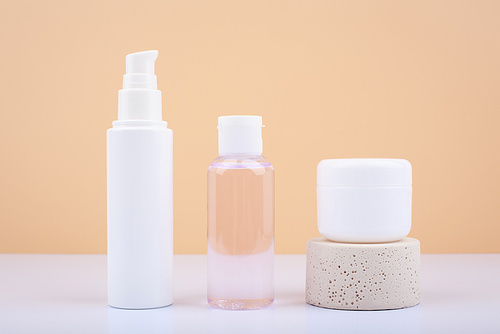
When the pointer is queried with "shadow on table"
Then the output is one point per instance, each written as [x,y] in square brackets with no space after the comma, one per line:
[406,320]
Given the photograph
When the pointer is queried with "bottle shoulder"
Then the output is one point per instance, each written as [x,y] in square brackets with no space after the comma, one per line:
[241,162]
[139,125]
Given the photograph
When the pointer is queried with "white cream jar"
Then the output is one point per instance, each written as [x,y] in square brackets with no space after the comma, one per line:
[364,200]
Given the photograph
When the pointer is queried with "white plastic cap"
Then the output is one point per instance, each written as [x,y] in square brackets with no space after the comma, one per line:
[364,200]
[240,135]
[139,99]
[364,172]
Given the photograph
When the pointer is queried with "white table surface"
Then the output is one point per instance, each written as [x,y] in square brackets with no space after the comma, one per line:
[67,294]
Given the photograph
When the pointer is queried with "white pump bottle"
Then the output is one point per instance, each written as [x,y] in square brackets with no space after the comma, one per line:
[139,161]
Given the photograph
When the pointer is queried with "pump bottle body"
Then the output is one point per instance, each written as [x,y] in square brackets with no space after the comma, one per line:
[240,247]
[140,245]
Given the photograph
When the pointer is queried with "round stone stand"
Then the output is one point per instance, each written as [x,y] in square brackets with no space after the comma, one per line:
[348,276]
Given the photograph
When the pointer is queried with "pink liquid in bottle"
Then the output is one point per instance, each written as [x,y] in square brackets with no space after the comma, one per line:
[240,250]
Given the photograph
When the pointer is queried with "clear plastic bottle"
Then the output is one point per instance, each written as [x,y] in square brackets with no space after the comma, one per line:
[240,249]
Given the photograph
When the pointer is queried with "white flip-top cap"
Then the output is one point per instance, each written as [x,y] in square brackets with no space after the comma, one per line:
[364,172]
[240,135]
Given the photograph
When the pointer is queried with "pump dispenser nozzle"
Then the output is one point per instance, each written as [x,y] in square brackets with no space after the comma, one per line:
[139,99]
[140,70]
[141,62]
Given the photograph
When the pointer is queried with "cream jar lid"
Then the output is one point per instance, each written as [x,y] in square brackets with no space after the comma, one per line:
[364,172]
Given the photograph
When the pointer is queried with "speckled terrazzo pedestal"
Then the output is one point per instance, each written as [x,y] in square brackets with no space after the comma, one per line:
[363,276]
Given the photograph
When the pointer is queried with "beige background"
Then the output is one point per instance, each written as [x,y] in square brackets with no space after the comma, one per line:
[417,80]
